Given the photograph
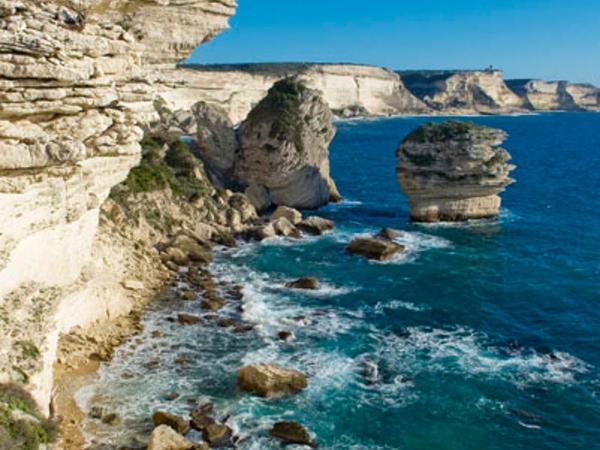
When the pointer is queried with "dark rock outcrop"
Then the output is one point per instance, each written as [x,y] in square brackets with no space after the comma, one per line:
[376,248]
[177,423]
[316,225]
[291,432]
[453,171]
[304,283]
[284,148]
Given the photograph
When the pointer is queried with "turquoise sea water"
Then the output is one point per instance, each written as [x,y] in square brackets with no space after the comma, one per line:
[484,335]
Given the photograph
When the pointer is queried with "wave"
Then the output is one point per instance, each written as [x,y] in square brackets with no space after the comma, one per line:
[380,307]
[462,350]
[505,216]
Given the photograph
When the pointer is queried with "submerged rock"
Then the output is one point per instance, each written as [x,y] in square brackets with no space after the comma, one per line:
[201,417]
[316,225]
[270,380]
[453,171]
[177,423]
[374,248]
[284,148]
[188,319]
[291,432]
[285,335]
[304,283]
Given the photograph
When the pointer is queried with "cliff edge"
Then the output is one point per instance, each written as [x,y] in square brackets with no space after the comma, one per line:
[77,80]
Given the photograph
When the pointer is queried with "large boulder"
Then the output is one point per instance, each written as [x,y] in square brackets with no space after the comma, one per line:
[376,248]
[177,423]
[291,214]
[453,171]
[216,141]
[270,380]
[284,227]
[316,225]
[165,438]
[284,147]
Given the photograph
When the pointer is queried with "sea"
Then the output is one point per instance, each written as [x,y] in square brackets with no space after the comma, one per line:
[483,335]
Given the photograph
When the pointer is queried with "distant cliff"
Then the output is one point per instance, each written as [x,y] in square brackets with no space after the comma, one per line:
[556,95]
[353,90]
[463,92]
[349,89]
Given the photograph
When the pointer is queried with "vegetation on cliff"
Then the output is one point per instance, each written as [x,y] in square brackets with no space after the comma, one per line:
[442,132]
[21,424]
[282,102]
[178,170]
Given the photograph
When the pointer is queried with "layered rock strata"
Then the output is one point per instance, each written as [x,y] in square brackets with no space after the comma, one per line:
[542,95]
[348,89]
[453,171]
[76,83]
[284,148]
[463,92]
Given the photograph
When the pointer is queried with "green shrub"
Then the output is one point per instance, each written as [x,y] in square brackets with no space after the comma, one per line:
[281,106]
[441,132]
[177,171]
[22,434]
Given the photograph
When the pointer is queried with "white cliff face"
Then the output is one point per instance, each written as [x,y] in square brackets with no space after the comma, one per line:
[453,171]
[557,95]
[463,92]
[585,96]
[284,148]
[348,89]
[74,87]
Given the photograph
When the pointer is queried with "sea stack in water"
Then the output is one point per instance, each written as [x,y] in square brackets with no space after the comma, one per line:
[453,171]
[284,147]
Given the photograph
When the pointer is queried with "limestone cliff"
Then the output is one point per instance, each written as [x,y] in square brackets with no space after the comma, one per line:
[284,148]
[463,92]
[349,89]
[453,171]
[542,95]
[76,81]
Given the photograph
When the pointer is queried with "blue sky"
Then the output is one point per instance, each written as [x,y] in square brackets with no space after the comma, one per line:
[550,39]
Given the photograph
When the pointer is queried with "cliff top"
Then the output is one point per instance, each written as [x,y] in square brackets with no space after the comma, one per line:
[452,130]
[269,68]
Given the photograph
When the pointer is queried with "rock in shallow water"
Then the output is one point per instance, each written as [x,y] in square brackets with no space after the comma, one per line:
[374,248]
[291,433]
[304,283]
[179,424]
[270,380]
[453,171]
[217,434]
[291,214]
[316,225]
[165,438]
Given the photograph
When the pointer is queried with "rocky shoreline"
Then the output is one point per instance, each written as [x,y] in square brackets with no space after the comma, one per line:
[188,280]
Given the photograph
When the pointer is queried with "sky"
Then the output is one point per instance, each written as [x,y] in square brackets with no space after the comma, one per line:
[548,39]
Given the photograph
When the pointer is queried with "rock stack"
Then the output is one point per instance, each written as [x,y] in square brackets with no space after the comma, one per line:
[284,148]
[453,171]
